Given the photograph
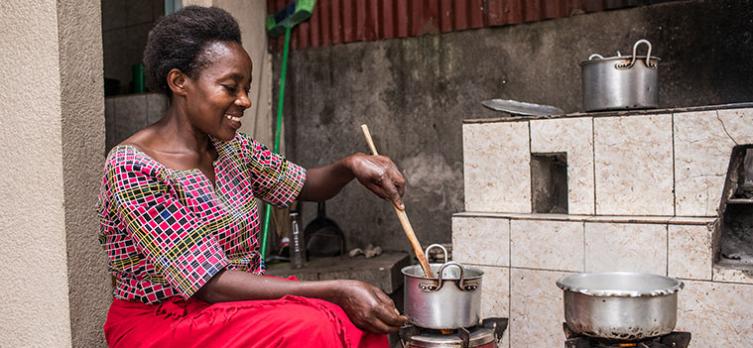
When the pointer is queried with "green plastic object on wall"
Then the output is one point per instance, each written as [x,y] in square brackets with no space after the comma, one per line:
[296,12]
[137,78]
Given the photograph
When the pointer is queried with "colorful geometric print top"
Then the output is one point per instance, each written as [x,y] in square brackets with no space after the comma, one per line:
[167,232]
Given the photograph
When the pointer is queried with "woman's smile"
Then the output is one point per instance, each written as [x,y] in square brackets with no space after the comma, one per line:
[234,120]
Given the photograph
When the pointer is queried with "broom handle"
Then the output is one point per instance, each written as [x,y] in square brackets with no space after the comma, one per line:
[402,216]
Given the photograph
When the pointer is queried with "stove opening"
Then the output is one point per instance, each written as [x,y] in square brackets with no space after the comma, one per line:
[549,183]
[735,237]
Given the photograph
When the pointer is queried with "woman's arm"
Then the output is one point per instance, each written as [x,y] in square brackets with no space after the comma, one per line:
[366,305]
[378,173]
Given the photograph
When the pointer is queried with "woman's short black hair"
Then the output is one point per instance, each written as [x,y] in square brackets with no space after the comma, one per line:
[177,41]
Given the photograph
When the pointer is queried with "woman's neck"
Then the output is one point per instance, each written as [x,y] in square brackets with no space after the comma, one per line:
[176,131]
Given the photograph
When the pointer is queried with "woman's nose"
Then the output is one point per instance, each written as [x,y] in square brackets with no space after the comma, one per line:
[243,100]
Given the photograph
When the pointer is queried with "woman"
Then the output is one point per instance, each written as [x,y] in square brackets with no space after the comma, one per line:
[179,219]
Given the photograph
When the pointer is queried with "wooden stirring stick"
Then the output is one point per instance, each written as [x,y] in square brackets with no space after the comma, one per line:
[402,216]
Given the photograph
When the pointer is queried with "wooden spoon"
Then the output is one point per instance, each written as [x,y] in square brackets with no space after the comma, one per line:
[402,216]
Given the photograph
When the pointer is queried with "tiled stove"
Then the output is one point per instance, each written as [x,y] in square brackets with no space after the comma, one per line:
[643,190]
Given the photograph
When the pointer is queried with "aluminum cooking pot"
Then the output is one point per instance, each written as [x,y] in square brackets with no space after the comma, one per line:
[621,82]
[450,301]
[620,305]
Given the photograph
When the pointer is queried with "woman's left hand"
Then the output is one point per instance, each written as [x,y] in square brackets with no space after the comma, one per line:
[380,175]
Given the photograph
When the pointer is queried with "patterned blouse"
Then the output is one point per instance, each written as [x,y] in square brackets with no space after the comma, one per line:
[167,232]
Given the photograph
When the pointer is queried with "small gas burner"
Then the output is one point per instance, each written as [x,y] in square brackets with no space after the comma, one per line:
[485,335]
[675,339]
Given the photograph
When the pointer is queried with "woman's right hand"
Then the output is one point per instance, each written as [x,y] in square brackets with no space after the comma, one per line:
[368,307]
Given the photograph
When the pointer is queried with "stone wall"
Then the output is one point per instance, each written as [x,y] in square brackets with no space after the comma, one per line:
[643,191]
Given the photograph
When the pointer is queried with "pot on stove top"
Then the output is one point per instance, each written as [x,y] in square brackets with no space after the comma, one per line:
[620,305]
[450,301]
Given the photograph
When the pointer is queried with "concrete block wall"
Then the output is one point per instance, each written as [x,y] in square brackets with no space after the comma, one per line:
[643,191]
[126,114]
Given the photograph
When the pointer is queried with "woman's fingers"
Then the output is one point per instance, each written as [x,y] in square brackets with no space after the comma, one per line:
[391,182]
[398,180]
[389,316]
[392,193]
[387,311]
[380,175]
[384,298]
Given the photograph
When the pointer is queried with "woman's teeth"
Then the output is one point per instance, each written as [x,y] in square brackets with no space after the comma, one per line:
[233,118]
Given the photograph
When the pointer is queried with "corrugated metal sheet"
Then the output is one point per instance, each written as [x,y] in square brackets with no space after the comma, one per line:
[341,21]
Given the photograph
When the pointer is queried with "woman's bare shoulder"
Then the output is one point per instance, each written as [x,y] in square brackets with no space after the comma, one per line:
[149,142]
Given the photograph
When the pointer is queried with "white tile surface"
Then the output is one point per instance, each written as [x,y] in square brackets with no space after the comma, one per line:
[574,137]
[481,241]
[702,154]
[634,165]
[626,247]
[723,274]
[495,296]
[496,167]
[536,309]
[690,253]
[716,314]
[553,245]
[738,123]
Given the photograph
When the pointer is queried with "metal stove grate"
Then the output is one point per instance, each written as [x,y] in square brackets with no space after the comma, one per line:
[496,325]
[675,339]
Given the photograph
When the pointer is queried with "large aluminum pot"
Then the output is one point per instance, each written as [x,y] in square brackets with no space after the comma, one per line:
[621,82]
[620,305]
[450,301]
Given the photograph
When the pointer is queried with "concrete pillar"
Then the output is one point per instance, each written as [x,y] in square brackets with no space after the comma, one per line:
[55,285]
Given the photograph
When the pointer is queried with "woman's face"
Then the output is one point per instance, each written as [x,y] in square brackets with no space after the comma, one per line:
[218,95]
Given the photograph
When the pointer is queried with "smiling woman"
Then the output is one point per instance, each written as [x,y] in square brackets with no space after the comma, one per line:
[180,223]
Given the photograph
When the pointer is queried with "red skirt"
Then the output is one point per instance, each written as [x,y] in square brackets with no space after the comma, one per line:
[288,322]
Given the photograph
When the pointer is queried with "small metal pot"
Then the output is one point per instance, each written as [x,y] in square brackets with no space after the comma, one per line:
[450,301]
[621,82]
[620,305]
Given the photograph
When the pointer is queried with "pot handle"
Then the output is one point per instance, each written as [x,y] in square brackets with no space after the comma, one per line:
[444,251]
[595,55]
[440,280]
[635,51]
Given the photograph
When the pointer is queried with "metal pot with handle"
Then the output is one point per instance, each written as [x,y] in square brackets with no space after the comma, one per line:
[621,82]
[620,305]
[450,301]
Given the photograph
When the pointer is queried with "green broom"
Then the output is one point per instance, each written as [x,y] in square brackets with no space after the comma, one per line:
[283,21]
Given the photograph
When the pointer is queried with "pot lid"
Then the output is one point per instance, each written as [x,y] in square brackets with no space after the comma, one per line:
[620,284]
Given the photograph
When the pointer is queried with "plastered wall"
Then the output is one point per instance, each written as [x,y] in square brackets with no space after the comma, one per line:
[51,133]
[34,298]
[83,138]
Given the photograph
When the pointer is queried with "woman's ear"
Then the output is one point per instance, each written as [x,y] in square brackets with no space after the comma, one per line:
[177,81]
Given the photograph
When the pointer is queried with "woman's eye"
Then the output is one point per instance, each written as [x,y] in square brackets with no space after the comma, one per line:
[230,89]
